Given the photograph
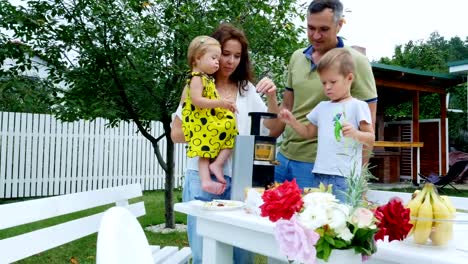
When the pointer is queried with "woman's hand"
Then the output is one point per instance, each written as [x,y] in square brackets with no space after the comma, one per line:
[266,86]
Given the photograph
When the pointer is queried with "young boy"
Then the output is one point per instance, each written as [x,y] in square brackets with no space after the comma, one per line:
[342,124]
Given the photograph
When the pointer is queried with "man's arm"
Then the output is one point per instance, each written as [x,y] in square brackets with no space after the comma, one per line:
[288,101]
[364,88]
[367,150]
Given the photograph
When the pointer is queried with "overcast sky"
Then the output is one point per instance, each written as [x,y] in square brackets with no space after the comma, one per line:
[379,25]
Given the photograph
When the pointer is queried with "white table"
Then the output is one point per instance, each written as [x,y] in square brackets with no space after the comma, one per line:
[408,253]
[221,230]
[224,229]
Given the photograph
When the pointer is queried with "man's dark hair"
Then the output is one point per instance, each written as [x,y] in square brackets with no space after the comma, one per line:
[318,6]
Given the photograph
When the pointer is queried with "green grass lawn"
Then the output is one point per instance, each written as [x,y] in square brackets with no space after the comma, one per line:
[84,249]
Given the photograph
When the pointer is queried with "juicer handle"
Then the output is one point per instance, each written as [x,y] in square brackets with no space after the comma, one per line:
[256,118]
[274,162]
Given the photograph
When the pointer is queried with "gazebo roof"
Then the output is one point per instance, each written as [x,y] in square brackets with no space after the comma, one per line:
[397,77]
[458,67]
[457,63]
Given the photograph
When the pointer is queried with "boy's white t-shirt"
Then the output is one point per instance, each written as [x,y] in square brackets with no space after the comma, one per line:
[338,156]
[250,101]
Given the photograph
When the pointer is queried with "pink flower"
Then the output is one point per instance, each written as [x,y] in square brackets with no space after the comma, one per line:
[362,217]
[296,241]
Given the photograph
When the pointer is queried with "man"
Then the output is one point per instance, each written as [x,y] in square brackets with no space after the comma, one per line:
[304,90]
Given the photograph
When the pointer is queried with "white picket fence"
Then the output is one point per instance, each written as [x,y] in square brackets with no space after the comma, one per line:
[41,156]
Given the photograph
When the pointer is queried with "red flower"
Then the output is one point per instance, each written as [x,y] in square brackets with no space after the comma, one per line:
[393,220]
[282,201]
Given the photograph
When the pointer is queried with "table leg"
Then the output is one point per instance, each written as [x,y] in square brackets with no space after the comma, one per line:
[215,252]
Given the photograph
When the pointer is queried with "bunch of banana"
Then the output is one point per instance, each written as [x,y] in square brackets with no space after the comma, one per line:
[415,203]
[423,228]
[430,216]
[443,229]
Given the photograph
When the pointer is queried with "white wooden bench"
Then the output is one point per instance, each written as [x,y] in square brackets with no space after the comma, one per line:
[28,244]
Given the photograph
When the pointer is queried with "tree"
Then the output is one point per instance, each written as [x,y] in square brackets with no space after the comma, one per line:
[126,59]
[433,55]
[25,94]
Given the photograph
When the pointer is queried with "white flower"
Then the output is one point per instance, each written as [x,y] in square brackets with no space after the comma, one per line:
[322,209]
[253,202]
[319,198]
[362,218]
[314,217]
[339,216]
[344,233]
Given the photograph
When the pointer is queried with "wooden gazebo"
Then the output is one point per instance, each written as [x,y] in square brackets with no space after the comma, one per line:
[398,84]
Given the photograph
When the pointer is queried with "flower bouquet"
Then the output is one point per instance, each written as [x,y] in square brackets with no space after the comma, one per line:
[312,226]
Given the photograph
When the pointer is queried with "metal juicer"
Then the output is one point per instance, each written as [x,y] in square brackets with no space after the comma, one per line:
[254,159]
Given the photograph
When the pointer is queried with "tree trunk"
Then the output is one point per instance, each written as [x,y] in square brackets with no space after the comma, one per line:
[169,187]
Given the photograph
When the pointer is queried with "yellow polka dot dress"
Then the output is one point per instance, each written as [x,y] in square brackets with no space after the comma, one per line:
[207,130]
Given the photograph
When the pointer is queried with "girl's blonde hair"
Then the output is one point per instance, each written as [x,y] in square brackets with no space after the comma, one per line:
[337,57]
[198,47]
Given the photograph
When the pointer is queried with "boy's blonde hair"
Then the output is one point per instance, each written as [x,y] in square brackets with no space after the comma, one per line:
[198,47]
[337,57]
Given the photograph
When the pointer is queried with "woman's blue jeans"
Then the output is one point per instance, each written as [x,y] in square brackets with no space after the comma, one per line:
[192,188]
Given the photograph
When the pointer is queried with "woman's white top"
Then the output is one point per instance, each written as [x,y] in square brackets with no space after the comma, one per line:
[250,101]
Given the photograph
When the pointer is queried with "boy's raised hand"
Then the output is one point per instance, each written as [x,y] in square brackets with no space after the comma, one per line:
[286,116]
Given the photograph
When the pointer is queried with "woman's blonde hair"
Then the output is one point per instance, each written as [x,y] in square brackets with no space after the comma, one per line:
[337,57]
[198,47]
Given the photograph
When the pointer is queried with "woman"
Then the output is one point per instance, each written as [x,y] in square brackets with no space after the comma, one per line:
[233,82]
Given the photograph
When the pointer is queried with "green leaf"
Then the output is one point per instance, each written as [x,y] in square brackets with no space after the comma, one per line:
[329,240]
[339,243]
[326,252]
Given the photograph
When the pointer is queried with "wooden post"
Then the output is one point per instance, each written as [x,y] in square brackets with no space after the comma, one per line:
[443,134]
[414,168]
